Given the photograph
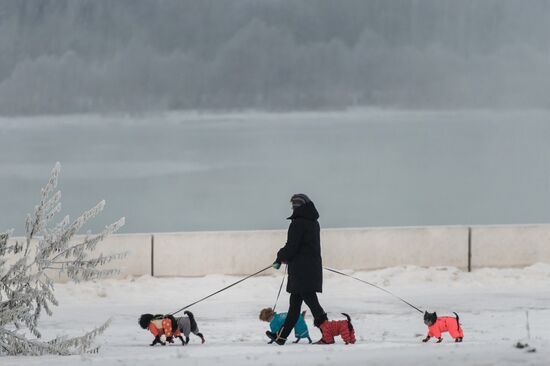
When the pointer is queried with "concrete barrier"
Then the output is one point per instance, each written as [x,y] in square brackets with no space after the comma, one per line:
[244,252]
[510,246]
[227,252]
[366,249]
[139,247]
[201,253]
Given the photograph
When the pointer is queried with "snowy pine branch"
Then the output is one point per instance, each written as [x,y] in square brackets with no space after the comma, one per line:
[26,288]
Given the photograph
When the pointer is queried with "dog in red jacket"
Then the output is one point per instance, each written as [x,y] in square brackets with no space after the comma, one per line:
[437,325]
[333,328]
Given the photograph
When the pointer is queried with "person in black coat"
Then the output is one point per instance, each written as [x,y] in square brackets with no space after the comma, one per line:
[302,254]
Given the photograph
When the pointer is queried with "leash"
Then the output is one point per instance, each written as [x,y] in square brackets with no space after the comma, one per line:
[223,289]
[375,286]
[280,288]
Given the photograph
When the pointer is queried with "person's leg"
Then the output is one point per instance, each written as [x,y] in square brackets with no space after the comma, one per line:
[319,315]
[291,316]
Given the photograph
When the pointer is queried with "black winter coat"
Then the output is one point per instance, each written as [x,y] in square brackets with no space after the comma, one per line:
[302,251]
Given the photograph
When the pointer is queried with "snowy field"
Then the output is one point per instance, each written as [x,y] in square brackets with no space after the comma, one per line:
[492,305]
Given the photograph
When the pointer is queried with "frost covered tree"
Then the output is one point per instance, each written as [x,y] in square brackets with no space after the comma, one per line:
[26,267]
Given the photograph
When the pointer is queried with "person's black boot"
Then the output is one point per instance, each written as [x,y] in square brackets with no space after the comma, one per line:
[275,338]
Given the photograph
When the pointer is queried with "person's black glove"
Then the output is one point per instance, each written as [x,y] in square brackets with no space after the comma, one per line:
[276,265]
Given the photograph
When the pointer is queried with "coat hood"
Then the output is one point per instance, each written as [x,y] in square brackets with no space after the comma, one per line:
[306,211]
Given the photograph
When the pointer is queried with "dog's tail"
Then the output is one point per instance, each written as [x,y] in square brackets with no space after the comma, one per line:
[350,326]
[194,326]
[457,320]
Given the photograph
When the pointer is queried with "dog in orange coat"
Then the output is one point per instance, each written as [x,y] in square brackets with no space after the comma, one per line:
[170,327]
[332,328]
[438,325]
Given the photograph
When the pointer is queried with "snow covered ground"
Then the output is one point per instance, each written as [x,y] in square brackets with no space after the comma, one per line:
[492,305]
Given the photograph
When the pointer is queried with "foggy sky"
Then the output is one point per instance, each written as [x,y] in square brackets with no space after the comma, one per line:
[74,56]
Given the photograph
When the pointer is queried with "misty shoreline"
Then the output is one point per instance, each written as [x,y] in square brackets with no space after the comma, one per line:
[252,113]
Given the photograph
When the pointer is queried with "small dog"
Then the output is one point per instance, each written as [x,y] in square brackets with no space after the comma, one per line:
[170,327]
[276,321]
[332,328]
[436,326]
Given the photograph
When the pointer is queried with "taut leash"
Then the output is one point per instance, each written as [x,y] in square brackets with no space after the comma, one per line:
[223,289]
[375,286]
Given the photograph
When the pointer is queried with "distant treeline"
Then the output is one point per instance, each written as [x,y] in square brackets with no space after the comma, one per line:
[78,56]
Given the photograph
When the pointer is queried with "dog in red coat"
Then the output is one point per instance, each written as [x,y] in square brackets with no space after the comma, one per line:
[438,325]
[333,328]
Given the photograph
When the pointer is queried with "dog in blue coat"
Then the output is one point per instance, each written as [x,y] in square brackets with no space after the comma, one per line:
[276,321]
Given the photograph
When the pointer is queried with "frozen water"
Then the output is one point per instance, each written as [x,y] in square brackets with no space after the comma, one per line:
[176,172]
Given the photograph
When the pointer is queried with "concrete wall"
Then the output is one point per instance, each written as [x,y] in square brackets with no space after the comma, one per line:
[510,246]
[201,253]
[139,248]
[244,252]
[387,247]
